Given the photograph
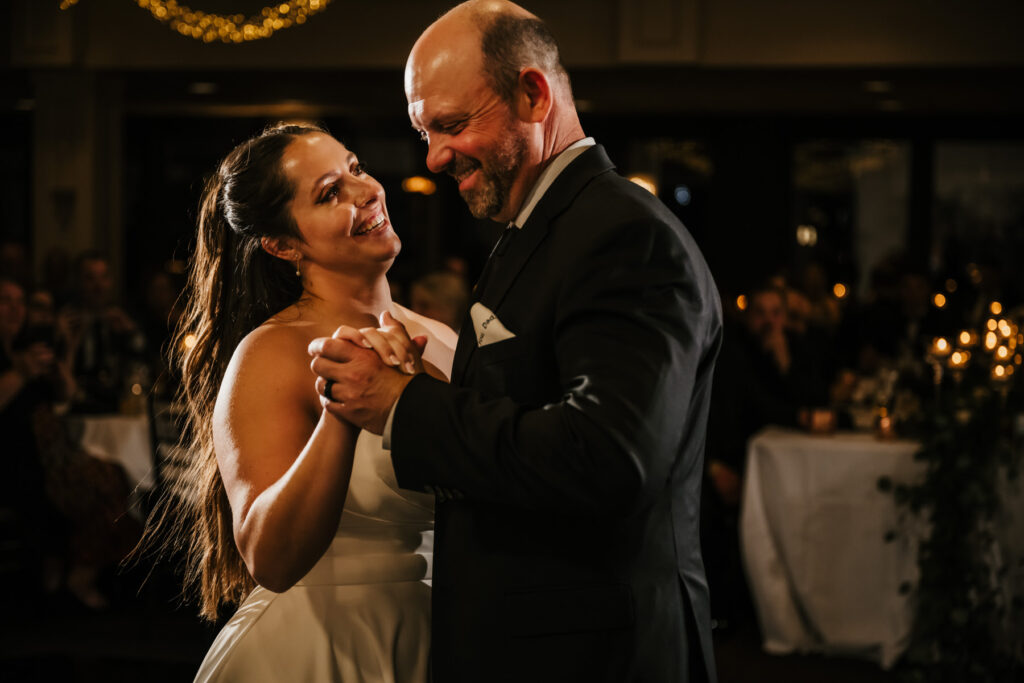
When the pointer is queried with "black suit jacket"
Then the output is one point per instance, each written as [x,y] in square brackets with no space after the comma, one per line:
[575,449]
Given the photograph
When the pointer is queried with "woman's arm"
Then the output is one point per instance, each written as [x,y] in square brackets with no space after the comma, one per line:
[284,461]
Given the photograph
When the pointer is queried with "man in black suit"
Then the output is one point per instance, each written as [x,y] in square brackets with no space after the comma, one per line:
[568,449]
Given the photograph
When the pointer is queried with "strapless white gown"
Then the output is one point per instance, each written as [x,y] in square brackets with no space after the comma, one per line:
[362,614]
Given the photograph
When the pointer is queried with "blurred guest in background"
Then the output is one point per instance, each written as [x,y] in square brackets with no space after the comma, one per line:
[900,317]
[68,509]
[441,295]
[27,521]
[161,311]
[766,375]
[15,263]
[105,341]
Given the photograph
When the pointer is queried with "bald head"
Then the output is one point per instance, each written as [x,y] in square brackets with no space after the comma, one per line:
[500,38]
[487,92]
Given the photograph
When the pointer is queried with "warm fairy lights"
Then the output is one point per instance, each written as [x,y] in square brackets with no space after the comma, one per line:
[839,289]
[227,28]
[939,300]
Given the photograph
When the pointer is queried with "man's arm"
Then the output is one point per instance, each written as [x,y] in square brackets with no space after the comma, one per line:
[634,334]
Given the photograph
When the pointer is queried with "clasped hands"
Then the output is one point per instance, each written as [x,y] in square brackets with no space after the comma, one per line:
[368,369]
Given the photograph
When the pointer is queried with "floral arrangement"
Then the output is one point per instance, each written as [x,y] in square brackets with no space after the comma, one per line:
[969,615]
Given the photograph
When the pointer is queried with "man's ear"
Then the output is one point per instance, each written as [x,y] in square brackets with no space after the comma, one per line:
[533,99]
[280,247]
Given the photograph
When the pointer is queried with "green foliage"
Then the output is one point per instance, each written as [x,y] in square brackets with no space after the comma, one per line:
[962,607]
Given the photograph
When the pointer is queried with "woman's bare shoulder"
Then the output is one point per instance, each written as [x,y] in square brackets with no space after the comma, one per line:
[274,356]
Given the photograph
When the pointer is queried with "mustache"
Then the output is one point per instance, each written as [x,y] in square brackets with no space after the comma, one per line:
[460,167]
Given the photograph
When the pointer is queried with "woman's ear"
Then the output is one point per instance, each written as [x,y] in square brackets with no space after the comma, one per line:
[281,248]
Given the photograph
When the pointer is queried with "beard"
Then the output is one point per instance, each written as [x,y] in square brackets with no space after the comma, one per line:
[498,172]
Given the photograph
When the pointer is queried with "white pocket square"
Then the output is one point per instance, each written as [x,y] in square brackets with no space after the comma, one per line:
[487,326]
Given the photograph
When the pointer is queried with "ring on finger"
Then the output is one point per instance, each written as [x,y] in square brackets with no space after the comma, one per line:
[328,385]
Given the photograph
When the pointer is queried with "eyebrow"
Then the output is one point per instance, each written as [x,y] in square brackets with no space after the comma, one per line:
[319,182]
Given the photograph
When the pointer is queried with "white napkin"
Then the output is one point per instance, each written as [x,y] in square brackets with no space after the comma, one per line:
[487,326]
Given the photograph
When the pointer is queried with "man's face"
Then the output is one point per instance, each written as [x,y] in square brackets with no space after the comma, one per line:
[95,282]
[766,315]
[471,133]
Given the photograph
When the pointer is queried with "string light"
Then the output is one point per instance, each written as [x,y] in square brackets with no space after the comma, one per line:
[227,28]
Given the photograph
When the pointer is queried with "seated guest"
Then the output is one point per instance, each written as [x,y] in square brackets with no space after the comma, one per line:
[765,375]
[160,313]
[30,379]
[104,339]
[70,507]
[899,319]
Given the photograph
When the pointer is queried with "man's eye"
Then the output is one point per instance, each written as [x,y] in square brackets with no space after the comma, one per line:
[359,169]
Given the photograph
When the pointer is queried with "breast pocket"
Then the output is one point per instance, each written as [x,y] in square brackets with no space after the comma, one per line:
[502,366]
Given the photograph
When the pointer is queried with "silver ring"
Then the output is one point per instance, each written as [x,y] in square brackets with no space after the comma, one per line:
[328,385]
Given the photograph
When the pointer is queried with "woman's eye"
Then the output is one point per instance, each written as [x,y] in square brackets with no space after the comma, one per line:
[359,169]
[330,193]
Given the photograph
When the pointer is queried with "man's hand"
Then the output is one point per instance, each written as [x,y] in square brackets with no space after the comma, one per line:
[366,368]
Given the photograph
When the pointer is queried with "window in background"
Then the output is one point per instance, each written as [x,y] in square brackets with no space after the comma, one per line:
[978,215]
[850,205]
[679,173]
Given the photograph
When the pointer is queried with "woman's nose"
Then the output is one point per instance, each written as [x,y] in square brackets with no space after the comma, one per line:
[367,192]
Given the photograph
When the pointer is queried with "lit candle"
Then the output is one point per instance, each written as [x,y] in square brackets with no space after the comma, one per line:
[940,347]
[958,359]
[968,338]
[885,426]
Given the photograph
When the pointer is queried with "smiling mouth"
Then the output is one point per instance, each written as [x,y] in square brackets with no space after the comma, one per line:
[375,224]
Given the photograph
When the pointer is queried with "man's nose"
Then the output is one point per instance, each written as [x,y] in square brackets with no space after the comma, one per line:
[439,155]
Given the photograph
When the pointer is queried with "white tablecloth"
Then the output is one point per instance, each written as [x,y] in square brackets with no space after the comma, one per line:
[812,530]
[123,439]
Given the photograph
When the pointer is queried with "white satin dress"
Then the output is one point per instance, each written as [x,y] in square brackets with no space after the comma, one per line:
[362,614]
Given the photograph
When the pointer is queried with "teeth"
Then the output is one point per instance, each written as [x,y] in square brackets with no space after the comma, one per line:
[379,221]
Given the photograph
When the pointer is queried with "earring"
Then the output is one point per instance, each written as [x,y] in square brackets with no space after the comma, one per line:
[298,272]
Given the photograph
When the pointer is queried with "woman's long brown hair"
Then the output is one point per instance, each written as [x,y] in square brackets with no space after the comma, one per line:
[233,286]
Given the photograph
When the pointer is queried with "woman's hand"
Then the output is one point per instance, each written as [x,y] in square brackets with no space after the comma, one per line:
[391,342]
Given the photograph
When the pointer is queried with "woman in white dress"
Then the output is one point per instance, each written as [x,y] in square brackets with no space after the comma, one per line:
[289,512]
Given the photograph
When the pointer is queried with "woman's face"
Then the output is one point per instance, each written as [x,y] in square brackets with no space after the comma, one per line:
[338,207]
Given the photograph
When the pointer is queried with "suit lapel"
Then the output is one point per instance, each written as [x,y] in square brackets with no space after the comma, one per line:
[505,268]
